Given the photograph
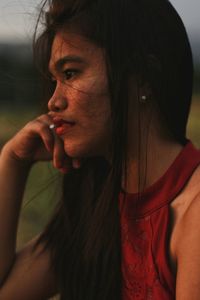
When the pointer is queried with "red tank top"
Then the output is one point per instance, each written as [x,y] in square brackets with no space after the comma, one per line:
[145,232]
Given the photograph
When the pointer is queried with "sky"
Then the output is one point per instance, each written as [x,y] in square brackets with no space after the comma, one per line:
[17,18]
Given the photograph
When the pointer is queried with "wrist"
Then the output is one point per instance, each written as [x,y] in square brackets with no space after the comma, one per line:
[9,157]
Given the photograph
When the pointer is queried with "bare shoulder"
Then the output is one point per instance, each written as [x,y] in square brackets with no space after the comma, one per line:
[31,276]
[188,244]
[187,208]
[188,197]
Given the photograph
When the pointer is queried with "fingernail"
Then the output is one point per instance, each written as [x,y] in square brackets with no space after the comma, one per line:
[76,163]
[63,170]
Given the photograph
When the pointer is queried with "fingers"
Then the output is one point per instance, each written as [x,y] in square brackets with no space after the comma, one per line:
[60,159]
[38,142]
[40,127]
[47,136]
[76,163]
[54,144]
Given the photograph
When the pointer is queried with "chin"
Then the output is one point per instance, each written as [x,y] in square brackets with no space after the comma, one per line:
[75,150]
[78,150]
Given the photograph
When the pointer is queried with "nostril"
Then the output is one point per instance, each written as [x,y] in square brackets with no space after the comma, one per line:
[56,108]
[52,106]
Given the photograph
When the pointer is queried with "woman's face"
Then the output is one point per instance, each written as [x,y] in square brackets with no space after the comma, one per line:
[80,105]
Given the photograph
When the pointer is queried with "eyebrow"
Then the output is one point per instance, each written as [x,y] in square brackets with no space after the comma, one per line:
[67,59]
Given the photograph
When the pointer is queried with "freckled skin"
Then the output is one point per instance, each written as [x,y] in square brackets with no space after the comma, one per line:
[84,97]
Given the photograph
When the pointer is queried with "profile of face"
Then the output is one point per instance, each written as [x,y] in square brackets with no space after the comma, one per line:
[80,104]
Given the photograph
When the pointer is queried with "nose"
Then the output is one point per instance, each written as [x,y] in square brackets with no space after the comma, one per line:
[57,102]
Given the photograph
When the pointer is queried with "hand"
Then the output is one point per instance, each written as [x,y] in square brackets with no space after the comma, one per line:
[37,142]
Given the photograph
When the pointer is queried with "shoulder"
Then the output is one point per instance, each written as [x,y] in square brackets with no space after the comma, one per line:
[188,197]
[189,200]
[188,244]
[190,221]
[31,276]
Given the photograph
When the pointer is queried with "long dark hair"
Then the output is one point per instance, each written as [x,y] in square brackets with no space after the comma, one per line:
[145,39]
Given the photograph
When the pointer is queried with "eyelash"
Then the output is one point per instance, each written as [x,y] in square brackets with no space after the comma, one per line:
[66,73]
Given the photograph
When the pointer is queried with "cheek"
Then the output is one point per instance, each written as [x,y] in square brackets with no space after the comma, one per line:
[94,125]
[91,92]
[90,106]
[95,109]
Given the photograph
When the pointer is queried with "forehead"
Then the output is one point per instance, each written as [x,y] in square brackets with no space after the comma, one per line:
[74,45]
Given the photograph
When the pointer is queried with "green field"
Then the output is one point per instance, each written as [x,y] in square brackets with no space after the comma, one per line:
[193,129]
[43,187]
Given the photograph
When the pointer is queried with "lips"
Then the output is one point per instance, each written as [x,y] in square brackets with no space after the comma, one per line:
[62,126]
[60,122]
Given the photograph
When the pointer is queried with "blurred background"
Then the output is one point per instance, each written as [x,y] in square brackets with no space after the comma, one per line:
[20,101]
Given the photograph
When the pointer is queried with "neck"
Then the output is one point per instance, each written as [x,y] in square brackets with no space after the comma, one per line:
[149,157]
[143,172]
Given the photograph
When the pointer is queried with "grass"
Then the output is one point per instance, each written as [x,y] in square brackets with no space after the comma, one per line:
[42,192]
[193,128]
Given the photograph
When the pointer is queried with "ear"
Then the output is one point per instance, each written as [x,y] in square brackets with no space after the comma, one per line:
[140,85]
[138,93]
[146,90]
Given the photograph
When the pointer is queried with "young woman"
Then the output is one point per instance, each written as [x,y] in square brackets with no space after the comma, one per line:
[127,224]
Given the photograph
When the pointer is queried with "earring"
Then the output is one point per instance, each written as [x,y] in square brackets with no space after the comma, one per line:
[143,99]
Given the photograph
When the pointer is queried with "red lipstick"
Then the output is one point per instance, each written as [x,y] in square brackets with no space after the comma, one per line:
[62,126]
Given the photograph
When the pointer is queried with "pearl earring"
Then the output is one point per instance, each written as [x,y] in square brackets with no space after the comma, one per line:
[143,99]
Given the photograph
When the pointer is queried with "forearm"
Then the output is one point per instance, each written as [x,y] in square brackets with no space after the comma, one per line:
[34,142]
[13,176]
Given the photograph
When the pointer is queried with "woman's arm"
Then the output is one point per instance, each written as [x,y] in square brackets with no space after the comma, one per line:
[24,275]
[188,254]
[13,177]
[30,277]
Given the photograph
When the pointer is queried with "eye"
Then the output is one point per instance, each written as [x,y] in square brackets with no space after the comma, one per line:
[69,73]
